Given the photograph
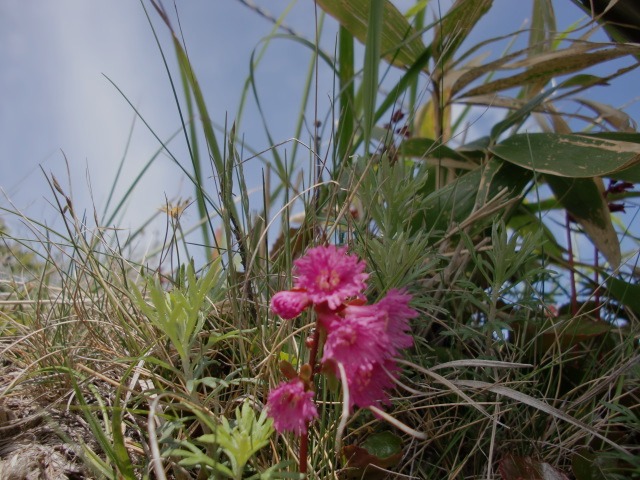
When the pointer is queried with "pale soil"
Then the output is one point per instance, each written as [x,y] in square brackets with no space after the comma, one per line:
[38,442]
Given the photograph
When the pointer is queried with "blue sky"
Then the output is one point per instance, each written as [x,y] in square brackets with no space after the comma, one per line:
[58,103]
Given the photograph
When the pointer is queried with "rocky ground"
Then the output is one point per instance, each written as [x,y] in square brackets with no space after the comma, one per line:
[39,438]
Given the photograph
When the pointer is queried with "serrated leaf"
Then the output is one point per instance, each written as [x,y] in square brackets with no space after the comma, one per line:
[400,43]
[575,156]
[582,198]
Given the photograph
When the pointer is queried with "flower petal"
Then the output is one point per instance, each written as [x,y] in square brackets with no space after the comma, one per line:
[291,407]
[396,306]
[355,340]
[328,274]
[289,303]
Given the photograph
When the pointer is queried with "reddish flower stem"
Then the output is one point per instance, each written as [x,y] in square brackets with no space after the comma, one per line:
[304,439]
[572,270]
[596,280]
[304,452]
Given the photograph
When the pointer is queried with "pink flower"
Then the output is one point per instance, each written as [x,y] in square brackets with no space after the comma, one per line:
[291,407]
[365,339]
[289,303]
[389,318]
[398,313]
[368,385]
[356,339]
[329,274]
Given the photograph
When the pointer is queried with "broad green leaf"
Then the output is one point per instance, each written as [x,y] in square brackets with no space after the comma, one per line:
[400,44]
[383,444]
[454,203]
[428,148]
[582,198]
[383,450]
[573,331]
[631,174]
[626,293]
[575,156]
[526,220]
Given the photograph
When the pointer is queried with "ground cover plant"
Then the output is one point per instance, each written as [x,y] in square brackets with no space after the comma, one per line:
[402,302]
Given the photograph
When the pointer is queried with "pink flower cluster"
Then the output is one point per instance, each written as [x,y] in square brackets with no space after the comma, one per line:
[364,339]
[292,407]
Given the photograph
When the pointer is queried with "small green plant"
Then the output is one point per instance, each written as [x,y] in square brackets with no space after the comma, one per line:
[239,439]
[181,313]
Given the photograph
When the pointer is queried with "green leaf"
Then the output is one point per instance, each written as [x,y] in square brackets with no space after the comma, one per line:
[588,465]
[382,450]
[383,444]
[346,73]
[575,330]
[584,80]
[244,439]
[454,203]
[192,459]
[371,66]
[400,44]
[521,114]
[582,198]
[527,221]
[626,293]
[543,26]
[575,156]
[120,453]
[542,67]
[428,148]
[456,25]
